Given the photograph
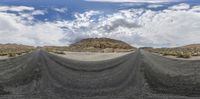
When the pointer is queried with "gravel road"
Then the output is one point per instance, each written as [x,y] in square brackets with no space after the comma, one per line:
[138,75]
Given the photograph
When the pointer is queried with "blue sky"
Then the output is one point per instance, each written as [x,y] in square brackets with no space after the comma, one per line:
[156,23]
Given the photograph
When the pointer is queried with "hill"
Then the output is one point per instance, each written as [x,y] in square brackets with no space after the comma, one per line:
[101,44]
[191,46]
[15,46]
[13,50]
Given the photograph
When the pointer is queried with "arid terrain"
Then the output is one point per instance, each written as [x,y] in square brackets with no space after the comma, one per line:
[13,50]
[188,52]
[99,49]
[90,56]
[56,73]
[104,45]
[138,75]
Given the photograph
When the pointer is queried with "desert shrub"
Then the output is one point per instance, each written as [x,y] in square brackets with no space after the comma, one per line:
[173,53]
[28,51]
[178,52]
[196,54]
[184,55]
[19,53]
[168,53]
[165,53]
[11,54]
[3,54]
[59,52]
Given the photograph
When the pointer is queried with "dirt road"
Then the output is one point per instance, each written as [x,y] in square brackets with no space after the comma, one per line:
[138,75]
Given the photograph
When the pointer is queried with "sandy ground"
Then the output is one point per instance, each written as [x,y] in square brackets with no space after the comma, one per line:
[174,57]
[3,57]
[91,56]
[192,58]
[6,57]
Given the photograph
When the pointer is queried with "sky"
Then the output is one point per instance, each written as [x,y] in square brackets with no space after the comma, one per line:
[141,23]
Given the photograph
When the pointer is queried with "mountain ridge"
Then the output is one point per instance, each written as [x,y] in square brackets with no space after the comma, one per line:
[191,46]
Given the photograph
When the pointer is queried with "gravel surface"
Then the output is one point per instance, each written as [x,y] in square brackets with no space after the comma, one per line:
[192,58]
[138,75]
[174,57]
[91,56]
[3,57]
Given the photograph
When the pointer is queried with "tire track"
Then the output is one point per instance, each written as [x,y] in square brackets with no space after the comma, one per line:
[95,83]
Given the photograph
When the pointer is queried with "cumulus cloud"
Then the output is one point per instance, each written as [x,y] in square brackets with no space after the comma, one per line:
[14,29]
[16,8]
[24,12]
[142,1]
[61,10]
[142,27]
[119,23]
[138,27]
[155,6]
[7,23]
[38,12]
[182,6]
[195,8]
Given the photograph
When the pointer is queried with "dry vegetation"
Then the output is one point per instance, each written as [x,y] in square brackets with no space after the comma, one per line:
[12,50]
[180,52]
[56,49]
[101,43]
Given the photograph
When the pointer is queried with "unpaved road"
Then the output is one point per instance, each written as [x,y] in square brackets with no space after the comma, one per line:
[138,75]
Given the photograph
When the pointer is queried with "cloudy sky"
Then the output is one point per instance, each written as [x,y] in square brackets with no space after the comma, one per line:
[156,23]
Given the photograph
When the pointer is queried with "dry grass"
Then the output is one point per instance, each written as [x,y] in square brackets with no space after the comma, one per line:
[178,52]
[12,50]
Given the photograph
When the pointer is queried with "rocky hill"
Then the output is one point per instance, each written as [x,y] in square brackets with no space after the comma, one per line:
[13,50]
[192,46]
[101,44]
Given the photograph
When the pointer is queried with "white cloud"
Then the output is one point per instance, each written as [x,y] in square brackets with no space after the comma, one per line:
[16,8]
[38,12]
[142,1]
[8,22]
[155,6]
[23,11]
[195,8]
[139,27]
[182,6]
[14,29]
[61,10]
[30,15]
[37,34]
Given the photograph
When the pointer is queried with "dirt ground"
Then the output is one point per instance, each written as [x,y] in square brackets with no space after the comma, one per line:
[3,57]
[91,56]
[192,58]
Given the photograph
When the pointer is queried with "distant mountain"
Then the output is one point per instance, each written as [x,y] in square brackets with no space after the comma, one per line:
[191,46]
[99,44]
[15,46]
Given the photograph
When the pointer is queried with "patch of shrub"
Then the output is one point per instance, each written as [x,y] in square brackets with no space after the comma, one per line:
[11,54]
[184,55]
[19,53]
[3,54]
[59,52]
